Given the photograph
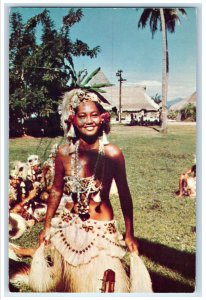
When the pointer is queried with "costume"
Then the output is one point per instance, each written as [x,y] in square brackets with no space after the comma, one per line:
[87,249]
[82,249]
[79,255]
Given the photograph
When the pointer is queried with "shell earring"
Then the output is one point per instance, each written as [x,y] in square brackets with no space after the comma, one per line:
[104,138]
[71,132]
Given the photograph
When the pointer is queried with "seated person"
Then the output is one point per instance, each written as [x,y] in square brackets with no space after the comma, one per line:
[187,183]
[19,186]
[34,172]
[24,195]
[25,192]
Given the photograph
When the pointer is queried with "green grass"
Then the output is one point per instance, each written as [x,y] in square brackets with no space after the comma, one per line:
[164,225]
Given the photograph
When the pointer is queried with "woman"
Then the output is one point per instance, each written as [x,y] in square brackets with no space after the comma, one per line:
[85,235]
[187,183]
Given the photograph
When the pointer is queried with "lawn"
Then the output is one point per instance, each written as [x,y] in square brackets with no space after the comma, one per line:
[164,224]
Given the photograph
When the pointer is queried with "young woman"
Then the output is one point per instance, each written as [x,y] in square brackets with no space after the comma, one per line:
[85,235]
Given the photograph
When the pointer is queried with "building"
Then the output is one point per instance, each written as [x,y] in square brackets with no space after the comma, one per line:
[136,105]
[178,107]
[183,103]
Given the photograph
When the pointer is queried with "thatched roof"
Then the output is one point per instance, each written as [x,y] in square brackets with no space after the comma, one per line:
[180,105]
[99,78]
[134,98]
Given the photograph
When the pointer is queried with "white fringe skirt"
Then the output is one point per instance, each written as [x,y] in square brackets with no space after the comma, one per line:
[80,253]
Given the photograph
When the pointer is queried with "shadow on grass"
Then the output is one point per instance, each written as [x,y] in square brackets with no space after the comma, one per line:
[156,129]
[178,261]
[163,284]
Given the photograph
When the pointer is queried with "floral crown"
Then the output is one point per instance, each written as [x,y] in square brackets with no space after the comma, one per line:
[81,95]
[80,92]
[71,101]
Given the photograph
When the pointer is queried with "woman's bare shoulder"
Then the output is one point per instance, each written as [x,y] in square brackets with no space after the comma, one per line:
[113,151]
[63,150]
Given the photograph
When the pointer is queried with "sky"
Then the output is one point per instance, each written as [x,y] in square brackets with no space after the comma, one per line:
[124,46]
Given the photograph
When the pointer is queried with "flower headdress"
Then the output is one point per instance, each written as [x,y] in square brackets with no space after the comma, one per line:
[77,94]
[19,170]
[71,101]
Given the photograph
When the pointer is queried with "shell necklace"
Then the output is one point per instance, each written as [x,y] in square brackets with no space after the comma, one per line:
[82,191]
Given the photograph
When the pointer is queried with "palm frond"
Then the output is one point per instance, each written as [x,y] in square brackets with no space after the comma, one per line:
[183,11]
[91,76]
[100,85]
[154,20]
[144,18]
[93,89]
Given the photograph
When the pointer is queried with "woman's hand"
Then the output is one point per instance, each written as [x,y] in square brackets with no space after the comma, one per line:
[42,236]
[132,244]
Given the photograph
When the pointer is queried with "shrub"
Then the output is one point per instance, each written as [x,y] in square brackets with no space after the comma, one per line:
[188,113]
[172,114]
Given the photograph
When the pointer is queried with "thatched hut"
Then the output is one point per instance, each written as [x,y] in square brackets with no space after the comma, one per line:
[136,104]
[183,103]
[178,108]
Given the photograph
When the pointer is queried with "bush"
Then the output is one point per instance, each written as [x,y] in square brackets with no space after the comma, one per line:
[37,127]
[188,113]
[172,115]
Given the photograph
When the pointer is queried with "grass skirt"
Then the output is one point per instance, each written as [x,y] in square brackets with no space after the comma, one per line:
[81,252]
[89,248]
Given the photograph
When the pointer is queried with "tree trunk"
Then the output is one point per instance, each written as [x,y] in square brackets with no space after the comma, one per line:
[163,115]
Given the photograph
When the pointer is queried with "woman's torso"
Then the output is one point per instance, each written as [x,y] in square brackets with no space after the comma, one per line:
[90,165]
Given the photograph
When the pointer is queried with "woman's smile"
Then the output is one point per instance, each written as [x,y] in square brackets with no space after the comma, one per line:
[89,127]
[88,118]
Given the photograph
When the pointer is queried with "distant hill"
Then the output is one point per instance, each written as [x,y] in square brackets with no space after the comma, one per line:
[174,101]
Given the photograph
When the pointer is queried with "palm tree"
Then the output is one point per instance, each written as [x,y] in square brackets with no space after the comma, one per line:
[166,20]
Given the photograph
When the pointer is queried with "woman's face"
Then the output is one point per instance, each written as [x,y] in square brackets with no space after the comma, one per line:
[88,119]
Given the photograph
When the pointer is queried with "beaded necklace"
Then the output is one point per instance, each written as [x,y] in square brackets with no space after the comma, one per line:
[83,191]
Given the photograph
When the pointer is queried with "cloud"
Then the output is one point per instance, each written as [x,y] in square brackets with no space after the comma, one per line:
[147,83]
[175,89]
[180,91]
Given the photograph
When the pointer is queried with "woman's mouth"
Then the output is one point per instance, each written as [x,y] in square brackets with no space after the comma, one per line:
[89,128]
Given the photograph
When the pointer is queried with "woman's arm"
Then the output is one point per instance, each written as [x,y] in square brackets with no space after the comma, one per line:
[55,195]
[120,177]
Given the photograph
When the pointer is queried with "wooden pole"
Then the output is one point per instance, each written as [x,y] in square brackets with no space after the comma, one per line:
[119,74]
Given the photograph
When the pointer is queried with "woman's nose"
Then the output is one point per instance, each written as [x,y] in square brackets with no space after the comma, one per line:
[88,119]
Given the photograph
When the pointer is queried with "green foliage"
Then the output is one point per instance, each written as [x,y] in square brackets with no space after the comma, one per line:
[39,72]
[152,16]
[188,113]
[82,82]
[90,76]
[157,98]
[172,115]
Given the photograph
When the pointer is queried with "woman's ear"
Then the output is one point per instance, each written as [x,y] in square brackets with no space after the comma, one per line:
[72,120]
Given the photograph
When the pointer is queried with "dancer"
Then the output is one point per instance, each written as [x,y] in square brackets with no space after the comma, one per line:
[85,237]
